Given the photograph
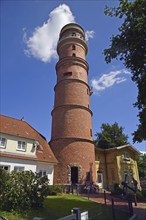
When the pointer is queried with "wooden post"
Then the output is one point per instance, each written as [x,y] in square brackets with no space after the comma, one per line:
[104,197]
[113,209]
[135,199]
[77,212]
[88,192]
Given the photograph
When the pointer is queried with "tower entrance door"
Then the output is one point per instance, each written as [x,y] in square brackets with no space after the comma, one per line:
[74,175]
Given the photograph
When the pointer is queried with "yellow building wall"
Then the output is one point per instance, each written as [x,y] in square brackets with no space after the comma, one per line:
[100,166]
[127,165]
[113,166]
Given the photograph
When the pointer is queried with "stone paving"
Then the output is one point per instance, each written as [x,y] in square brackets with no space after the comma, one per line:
[122,204]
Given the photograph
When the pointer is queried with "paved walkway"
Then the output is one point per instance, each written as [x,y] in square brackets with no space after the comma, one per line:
[122,204]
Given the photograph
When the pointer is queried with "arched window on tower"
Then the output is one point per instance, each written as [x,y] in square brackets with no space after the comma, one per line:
[73,54]
[73,47]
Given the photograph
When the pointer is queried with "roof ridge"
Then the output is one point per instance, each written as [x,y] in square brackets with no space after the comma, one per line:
[10,117]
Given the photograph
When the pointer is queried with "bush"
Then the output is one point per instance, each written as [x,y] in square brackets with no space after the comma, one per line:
[130,195]
[144,192]
[139,195]
[55,189]
[117,190]
[22,190]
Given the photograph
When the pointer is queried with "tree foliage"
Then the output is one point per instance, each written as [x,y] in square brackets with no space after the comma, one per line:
[141,163]
[110,136]
[22,190]
[130,47]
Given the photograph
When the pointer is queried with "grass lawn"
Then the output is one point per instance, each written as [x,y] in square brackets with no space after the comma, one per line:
[58,206]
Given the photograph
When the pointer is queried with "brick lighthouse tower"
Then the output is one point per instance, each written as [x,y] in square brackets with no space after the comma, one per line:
[71,139]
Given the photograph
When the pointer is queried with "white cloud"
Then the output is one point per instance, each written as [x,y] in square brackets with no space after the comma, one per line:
[109,80]
[89,34]
[42,44]
[43,41]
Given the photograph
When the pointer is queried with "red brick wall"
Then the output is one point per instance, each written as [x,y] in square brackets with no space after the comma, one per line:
[67,50]
[74,66]
[71,122]
[73,152]
[71,140]
[72,92]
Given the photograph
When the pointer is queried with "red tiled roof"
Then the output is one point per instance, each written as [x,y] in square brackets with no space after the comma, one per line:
[21,128]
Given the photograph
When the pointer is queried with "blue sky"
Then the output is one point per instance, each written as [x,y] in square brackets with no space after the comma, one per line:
[29,31]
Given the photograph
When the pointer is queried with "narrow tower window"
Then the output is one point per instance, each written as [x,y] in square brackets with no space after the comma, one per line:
[91,132]
[88,92]
[67,74]
[73,47]
[73,54]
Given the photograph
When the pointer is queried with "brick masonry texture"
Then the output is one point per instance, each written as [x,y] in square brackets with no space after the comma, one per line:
[71,139]
[71,122]
[72,92]
[73,152]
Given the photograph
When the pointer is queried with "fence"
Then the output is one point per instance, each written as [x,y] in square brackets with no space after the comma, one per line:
[76,215]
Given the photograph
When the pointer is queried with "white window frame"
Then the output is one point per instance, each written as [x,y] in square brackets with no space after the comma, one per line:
[19,168]
[21,145]
[126,156]
[3,142]
[42,173]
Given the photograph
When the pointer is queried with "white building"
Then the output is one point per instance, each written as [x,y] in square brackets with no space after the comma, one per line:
[23,148]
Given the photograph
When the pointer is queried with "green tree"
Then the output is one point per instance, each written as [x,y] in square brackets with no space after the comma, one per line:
[110,136]
[129,45]
[141,163]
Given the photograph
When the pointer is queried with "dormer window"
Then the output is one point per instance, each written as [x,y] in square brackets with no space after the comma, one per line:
[3,142]
[126,156]
[39,147]
[21,146]
[42,173]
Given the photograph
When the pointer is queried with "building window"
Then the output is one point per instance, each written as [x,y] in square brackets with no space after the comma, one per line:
[21,145]
[2,142]
[73,47]
[74,34]
[88,91]
[126,156]
[18,169]
[126,177]
[42,173]
[99,177]
[131,176]
[91,132]
[73,54]
[5,167]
